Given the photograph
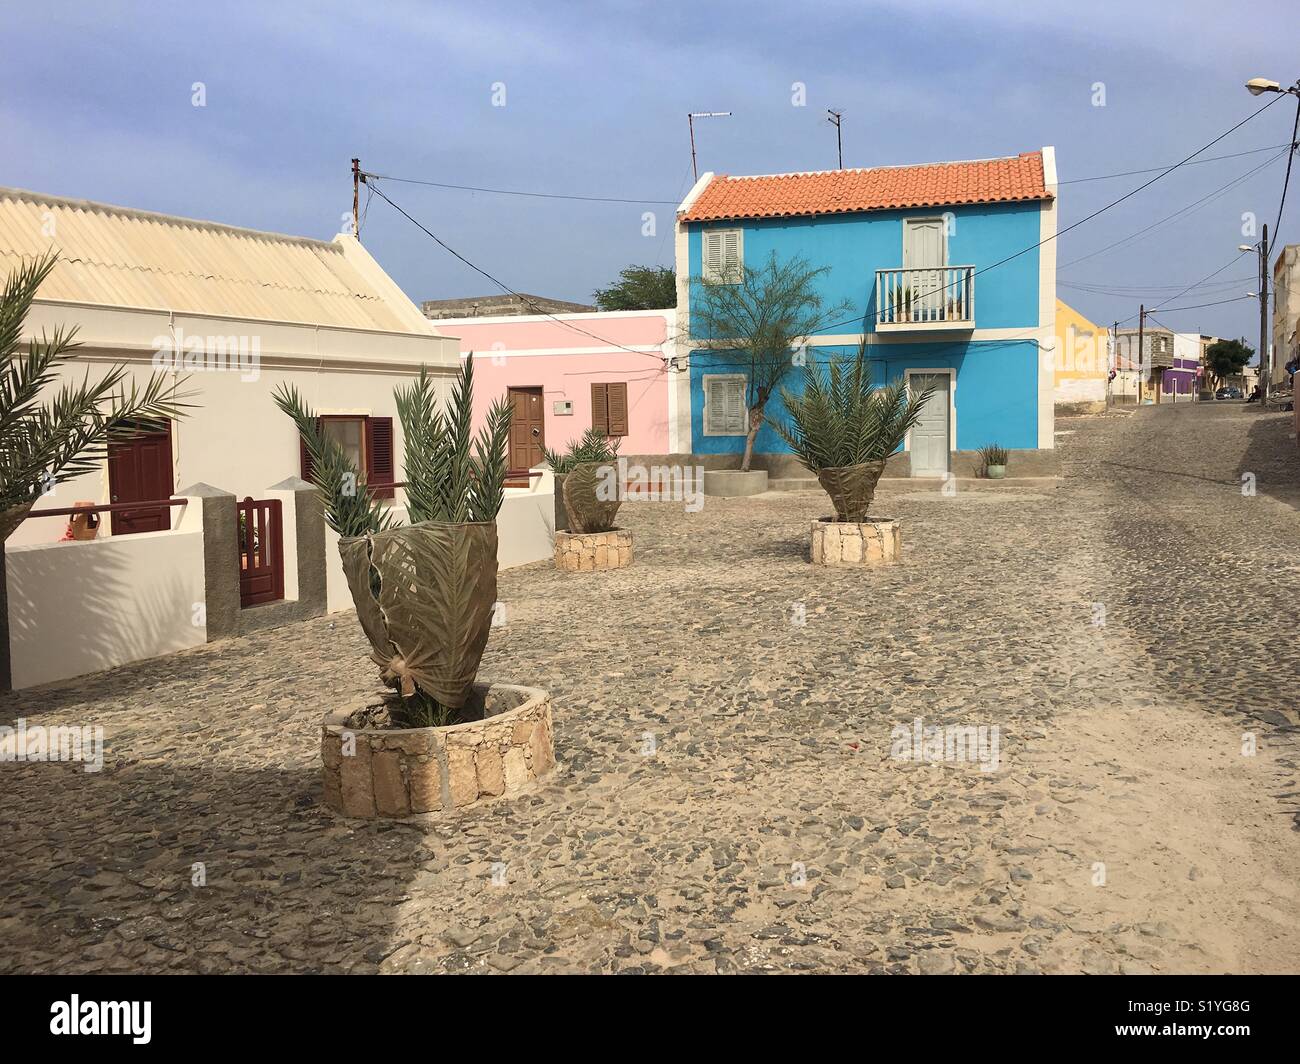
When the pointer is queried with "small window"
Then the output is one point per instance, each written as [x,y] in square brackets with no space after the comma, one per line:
[368,443]
[725,413]
[723,254]
[609,408]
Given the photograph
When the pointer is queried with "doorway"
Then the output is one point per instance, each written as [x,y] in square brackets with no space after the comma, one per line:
[140,470]
[527,431]
[930,440]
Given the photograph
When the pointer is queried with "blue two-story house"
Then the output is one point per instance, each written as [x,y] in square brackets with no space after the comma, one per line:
[949,270]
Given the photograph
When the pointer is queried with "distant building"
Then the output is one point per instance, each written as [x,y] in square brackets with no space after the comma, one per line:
[1082,358]
[1167,369]
[499,306]
[1286,312]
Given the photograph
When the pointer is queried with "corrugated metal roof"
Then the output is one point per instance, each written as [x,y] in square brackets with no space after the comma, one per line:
[115,256]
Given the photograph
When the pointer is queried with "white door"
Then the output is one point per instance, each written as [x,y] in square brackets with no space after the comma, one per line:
[930,435]
[925,252]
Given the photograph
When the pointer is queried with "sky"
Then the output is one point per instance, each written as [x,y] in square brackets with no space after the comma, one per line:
[97,101]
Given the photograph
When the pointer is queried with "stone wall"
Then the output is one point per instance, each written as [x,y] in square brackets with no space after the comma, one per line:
[395,772]
[585,552]
[850,543]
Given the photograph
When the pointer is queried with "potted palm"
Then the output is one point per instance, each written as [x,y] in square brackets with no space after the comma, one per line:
[433,738]
[843,429]
[994,461]
[587,485]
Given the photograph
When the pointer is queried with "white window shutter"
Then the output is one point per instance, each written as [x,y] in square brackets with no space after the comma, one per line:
[724,406]
[732,260]
[722,256]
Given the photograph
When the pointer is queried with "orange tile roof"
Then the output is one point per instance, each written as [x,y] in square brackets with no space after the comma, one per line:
[877,189]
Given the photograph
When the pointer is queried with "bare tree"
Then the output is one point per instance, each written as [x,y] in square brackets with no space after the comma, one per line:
[757,324]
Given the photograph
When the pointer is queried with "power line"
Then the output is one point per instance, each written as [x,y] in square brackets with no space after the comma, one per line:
[501,284]
[1198,306]
[517,192]
[1154,169]
[1295,128]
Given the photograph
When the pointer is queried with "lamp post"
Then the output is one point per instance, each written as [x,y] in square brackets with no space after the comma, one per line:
[1257,87]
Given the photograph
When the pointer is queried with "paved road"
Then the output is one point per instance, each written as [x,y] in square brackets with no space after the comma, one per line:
[1109,626]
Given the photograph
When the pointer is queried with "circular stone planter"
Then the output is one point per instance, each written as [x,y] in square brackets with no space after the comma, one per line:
[733,484]
[877,541]
[397,772]
[587,552]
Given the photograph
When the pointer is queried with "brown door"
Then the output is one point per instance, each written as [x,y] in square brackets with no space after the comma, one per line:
[527,430]
[140,470]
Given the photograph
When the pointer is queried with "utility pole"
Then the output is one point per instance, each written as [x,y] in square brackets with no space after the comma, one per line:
[1142,321]
[1112,365]
[1265,363]
[690,121]
[834,120]
[356,198]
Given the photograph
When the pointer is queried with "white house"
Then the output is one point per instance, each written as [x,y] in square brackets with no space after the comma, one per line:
[237,312]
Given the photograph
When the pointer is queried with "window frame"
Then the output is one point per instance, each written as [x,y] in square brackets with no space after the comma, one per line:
[722,276]
[706,383]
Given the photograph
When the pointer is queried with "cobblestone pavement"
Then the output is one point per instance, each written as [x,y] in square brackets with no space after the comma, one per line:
[1122,628]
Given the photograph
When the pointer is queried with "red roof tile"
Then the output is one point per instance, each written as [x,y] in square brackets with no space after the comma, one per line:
[877,189]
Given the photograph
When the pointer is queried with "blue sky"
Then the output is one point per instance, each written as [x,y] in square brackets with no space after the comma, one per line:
[95,102]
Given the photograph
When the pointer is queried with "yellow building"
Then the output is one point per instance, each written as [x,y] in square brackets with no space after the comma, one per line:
[1082,363]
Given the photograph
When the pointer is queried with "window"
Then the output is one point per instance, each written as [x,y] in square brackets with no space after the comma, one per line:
[723,255]
[609,408]
[724,405]
[368,443]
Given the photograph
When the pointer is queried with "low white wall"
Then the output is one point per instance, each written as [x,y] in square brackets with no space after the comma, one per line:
[77,608]
[525,533]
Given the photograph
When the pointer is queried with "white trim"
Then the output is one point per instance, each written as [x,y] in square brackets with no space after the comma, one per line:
[525,319]
[707,379]
[649,349]
[1047,305]
[695,191]
[952,408]
[723,276]
[957,335]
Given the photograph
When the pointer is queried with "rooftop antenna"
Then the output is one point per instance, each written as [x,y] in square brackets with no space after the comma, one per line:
[834,120]
[690,121]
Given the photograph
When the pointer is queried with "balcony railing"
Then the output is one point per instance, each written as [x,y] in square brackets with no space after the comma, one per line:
[942,297]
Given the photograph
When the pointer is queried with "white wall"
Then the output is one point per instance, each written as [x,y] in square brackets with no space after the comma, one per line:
[76,608]
[525,533]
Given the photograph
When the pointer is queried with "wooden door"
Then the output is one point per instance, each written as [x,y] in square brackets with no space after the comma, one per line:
[140,470]
[931,435]
[527,430]
[925,253]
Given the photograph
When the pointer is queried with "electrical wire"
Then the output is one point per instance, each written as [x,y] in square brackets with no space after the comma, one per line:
[516,192]
[1154,169]
[1295,128]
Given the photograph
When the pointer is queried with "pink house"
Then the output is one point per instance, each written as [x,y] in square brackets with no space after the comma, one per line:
[568,372]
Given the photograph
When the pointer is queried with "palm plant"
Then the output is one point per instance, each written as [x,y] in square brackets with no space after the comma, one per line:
[843,429]
[583,481]
[49,439]
[424,592]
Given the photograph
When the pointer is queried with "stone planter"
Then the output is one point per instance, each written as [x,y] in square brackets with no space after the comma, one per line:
[733,484]
[587,552]
[397,772]
[878,541]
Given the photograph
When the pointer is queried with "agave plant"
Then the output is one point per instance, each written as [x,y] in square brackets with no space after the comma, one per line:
[843,429]
[992,456]
[424,592]
[587,482]
[52,435]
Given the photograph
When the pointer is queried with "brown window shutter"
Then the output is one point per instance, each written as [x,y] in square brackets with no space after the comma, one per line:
[600,408]
[617,406]
[304,457]
[379,456]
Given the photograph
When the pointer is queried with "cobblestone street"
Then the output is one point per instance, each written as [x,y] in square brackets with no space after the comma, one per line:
[1122,628]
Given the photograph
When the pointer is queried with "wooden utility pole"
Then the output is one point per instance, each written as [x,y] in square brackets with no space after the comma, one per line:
[1265,363]
[834,120]
[1142,321]
[1112,364]
[356,198]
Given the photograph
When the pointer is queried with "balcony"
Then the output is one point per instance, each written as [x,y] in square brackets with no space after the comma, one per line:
[930,299]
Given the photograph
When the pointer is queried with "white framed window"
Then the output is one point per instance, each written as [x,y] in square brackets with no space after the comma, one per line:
[725,413]
[723,256]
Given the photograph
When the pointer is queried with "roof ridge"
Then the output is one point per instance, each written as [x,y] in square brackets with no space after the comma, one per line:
[1024,155]
[225,278]
[166,219]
